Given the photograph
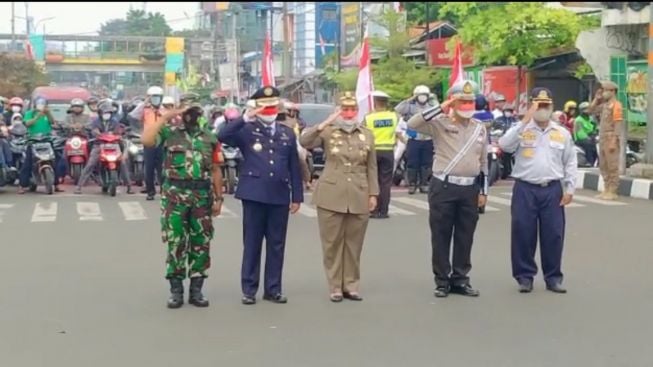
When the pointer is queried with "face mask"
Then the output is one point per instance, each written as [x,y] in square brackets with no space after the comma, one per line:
[507,114]
[155,100]
[607,94]
[40,107]
[106,116]
[347,125]
[349,114]
[15,109]
[543,115]
[422,99]
[465,114]
[268,119]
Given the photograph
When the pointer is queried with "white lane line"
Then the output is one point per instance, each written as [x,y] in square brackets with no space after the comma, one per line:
[227,213]
[586,199]
[412,202]
[398,211]
[45,212]
[132,210]
[89,211]
[509,194]
[308,211]
[491,209]
[4,207]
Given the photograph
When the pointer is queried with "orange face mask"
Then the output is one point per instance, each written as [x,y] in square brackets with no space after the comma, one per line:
[270,111]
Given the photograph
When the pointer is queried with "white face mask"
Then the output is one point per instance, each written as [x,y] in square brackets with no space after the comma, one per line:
[15,109]
[40,107]
[543,115]
[507,114]
[422,99]
[106,116]
[348,125]
[465,114]
[268,119]
[607,95]
[155,100]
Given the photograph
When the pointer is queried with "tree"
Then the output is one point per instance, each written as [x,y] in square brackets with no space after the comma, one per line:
[512,33]
[137,23]
[417,11]
[19,76]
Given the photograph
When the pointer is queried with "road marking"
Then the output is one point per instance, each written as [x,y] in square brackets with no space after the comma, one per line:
[307,211]
[491,209]
[509,194]
[586,199]
[45,212]
[89,211]
[412,202]
[132,210]
[398,211]
[2,208]
[226,213]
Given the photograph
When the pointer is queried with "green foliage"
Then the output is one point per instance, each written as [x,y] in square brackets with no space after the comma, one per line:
[589,21]
[398,40]
[137,23]
[513,33]
[583,69]
[398,77]
[19,76]
[417,12]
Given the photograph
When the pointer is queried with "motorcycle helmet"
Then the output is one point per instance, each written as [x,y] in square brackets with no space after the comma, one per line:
[583,106]
[155,91]
[92,100]
[106,107]
[77,102]
[189,98]
[168,101]
[481,103]
[16,101]
[570,105]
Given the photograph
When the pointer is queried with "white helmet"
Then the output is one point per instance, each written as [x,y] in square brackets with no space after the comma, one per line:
[155,91]
[380,94]
[167,100]
[421,89]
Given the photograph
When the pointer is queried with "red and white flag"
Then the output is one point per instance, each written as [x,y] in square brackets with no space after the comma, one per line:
[267,70]
[457,72]
[29,51]
[322,45]
[364,84]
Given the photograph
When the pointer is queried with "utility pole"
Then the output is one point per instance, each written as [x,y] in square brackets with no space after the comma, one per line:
[649,110]
[13,26]
[27,32]
[286,45]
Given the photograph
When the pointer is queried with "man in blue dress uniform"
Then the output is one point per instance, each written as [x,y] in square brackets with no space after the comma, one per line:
[545,180]
[270,186]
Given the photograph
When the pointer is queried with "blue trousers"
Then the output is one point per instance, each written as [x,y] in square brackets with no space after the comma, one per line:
[419,154]
[153,163]
[6,157]
[536,211]
[26,170]
[263,221]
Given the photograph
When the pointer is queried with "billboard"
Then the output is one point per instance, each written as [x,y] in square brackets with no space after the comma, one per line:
[636,92]
[351,34]
[327,31]
[503,80]
[212,7]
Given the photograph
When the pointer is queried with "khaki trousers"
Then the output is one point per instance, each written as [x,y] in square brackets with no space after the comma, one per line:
[342,236]
[609,162]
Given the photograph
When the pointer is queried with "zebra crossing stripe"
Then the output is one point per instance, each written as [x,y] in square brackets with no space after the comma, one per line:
[2,208]
[413,202]
[132,210]
[89,211]
[398,211]
[45,212]
[226,213]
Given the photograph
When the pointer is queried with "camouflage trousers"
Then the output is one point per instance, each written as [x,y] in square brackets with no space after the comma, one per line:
[187,229]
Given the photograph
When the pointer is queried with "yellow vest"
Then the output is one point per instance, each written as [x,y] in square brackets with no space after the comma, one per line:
[383,126]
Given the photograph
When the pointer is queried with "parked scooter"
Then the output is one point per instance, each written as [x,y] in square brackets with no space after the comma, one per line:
[110,160]
[43,165]
[18,144]
[494,160]
[136,157]
[76,154]
[232,159]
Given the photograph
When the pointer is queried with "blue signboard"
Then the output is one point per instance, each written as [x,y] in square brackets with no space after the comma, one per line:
[327,31]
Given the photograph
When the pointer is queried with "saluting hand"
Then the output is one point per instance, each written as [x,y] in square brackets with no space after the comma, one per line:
[330,120]
[252,112]
[566,199]
[294,207]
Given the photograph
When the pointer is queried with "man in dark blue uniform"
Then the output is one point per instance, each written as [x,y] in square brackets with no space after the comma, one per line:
[270,186]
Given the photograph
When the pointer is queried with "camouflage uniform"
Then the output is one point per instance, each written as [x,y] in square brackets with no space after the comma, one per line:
[186,222]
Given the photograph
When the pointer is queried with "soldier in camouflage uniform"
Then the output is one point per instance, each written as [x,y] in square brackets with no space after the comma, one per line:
[191,194]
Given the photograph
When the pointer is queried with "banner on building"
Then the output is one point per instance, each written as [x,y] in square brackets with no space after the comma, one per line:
[351,34]
[503,80]
[636,92]
[212,7]
[440,56]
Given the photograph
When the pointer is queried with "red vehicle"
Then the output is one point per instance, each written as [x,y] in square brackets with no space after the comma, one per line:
[59,99]
[76,153]
[110,160]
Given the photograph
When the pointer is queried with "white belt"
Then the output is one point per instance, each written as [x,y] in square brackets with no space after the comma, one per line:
[456,180]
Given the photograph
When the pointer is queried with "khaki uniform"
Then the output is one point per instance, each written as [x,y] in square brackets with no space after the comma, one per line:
[610,137]
[303,164]
[342,198]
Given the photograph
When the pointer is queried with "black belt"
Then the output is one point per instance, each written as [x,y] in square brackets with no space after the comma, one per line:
[190,184]
[545,184]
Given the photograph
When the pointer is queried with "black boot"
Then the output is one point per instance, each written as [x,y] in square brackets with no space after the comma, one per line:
[196,297]
[412,180]
[425,176]
[176,293]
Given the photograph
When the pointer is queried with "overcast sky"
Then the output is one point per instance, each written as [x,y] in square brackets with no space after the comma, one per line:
[86,17]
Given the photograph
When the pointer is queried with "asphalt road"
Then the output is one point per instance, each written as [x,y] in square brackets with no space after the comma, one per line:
[81,284]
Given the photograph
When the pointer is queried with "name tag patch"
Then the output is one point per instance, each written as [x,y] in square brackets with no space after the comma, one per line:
[383,123]
[528,153]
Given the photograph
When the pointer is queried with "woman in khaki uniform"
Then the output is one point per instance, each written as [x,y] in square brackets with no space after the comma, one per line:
[345,194]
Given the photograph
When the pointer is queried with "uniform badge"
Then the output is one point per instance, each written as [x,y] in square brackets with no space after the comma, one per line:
[556,136]
[361,137]
[335,150]
[257,147]
[543,95]
[528,136]
[528,153]
[268,92]
[467,88]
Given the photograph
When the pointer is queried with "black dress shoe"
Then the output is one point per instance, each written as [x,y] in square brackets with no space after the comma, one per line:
[384,216]
[248,300]
[144,191]
[374,216]
[525,287]
[277,298]
[352,296]
[442,292]
[465,290]
[556,288]
[149,197]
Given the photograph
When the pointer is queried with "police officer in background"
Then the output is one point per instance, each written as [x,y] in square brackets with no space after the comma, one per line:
[458,187]
[419,149]
[270,185]
[385,127]
[545,173]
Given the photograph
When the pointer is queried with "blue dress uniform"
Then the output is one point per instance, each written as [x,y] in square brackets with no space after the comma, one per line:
[545,169]
[270,178]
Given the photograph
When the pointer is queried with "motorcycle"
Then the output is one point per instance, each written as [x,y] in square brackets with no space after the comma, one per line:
[76,153]
[7,175]
[232,158]
[18,145]
[43,166]
[494,157]
[400,173]
[110,160]
[136,157]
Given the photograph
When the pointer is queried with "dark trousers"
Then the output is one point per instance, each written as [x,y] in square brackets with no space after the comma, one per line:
[26,169]
[589,146]
[453,211]
[263,221]
[419,154]
[385,162]
[153,163]
[536,208]
[6,157]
